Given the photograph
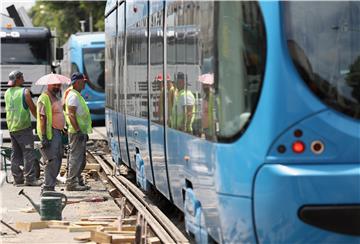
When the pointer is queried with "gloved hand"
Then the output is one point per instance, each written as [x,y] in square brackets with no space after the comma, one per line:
[45,142]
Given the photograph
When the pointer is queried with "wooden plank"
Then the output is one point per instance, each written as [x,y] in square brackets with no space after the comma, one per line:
[23,226]
[99,218]
[58,222]
[153,240]
[128,227]
[77,228]
[100,237]
[118,239]
[61,227]
[120,232]
[110,228]
[92,167]
[83,238]
[91,223]
[29,226]
[38,225]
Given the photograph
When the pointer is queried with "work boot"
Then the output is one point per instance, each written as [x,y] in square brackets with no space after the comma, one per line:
[82,183]
[46,189]
[76,187]
[33,183]
[18,184]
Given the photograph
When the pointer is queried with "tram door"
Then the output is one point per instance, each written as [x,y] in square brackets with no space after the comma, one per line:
[121,83]
[110,85]
[157,98]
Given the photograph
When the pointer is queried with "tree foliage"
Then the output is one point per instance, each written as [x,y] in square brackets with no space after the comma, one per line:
[65,16]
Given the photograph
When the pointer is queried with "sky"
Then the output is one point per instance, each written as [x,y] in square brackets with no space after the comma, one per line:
[27,4]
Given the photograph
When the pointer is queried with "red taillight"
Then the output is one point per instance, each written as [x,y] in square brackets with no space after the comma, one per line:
[298,147]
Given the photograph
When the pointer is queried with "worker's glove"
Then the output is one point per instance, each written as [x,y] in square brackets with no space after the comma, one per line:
[45,142]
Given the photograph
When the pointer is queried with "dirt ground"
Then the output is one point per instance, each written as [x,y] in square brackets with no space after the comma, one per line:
[12,205]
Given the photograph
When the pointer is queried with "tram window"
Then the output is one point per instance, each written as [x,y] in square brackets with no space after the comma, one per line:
[183,45]
[323,41]
[241,63]
[171,46]
[221,98]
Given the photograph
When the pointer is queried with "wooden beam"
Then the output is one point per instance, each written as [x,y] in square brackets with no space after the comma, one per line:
[119,239]
[83,238]
[29,226]
[78,228]
[127,233]
[153,240]
[91,223]
[92,167]
[100,237]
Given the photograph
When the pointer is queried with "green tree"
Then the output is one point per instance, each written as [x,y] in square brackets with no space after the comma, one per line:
[65,16]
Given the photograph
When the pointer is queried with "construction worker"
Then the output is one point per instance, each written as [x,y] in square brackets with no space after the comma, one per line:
[207,108]
[18,102]
[183,111]
[79,126]
[171,91]
[50,124]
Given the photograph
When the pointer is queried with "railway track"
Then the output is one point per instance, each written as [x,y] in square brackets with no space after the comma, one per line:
[151,221]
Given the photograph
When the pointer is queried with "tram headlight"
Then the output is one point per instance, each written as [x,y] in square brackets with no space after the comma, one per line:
[317,147]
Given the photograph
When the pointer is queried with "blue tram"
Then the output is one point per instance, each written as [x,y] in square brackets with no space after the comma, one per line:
[244,114]
[85,52]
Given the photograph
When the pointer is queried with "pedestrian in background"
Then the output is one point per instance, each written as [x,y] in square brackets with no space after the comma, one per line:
[18,105]
[50,123]
[79,126]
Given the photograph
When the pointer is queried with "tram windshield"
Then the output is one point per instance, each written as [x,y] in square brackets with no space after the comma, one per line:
[323,39]
[94,67]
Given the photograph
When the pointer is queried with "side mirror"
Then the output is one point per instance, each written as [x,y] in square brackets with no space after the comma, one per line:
[59,53]
[55,67]
[55,63]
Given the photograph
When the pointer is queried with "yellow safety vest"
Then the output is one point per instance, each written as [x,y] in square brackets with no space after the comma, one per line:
[83,120]
[178,118]
[45,100]
[17,117]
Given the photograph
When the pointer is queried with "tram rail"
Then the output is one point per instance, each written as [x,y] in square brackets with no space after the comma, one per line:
[148,215]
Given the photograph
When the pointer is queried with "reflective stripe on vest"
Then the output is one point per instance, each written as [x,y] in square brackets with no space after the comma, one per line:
[45,100]
[17,117]
[83,120]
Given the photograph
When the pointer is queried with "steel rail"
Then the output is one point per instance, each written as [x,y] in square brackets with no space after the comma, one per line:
[165,230]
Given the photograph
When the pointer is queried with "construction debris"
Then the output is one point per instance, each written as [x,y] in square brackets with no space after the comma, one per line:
[103,229]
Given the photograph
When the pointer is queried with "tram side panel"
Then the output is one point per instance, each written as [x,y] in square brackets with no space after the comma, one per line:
[111,114]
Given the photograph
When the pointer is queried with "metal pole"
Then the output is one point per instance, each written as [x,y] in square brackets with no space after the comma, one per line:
[91,22]
[11,228]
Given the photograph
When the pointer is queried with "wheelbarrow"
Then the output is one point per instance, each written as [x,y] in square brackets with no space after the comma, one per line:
[5,153]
